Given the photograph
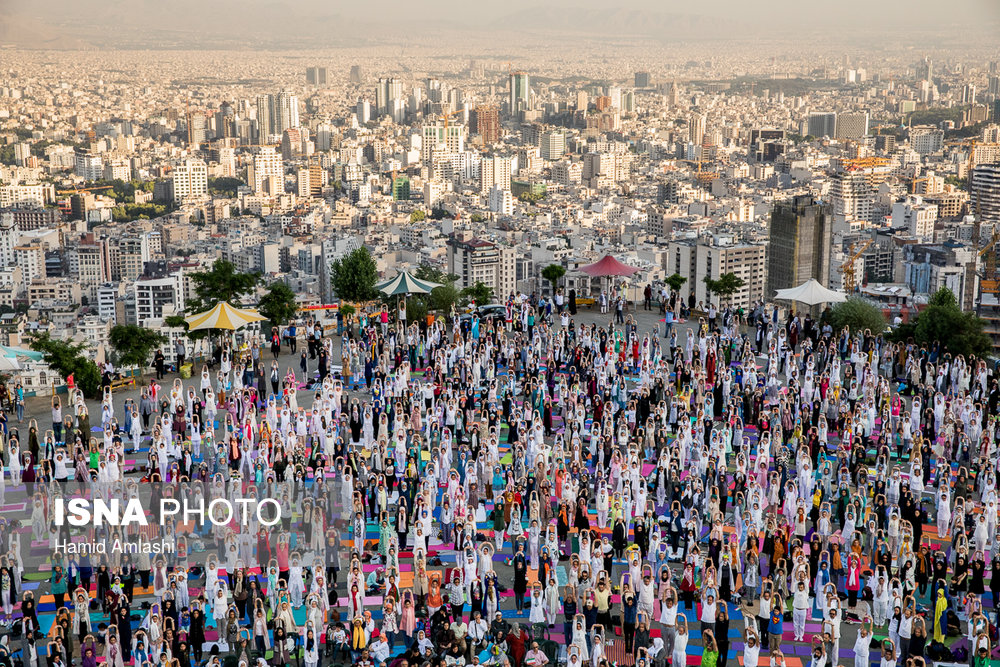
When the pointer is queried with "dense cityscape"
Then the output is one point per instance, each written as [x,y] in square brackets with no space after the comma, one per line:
[117,186]
[589,337]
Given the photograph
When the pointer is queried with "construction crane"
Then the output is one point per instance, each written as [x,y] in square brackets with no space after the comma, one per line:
[447,116]
[913,184]
[847,268]
[990,271]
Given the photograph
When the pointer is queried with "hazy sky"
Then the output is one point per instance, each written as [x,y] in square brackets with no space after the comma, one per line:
[892,20]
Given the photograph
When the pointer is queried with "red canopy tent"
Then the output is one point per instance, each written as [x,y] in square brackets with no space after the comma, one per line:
[608,266]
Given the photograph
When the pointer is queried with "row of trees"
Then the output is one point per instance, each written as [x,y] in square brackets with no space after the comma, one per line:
[133,346]
[942,323]
[354,276]
[723,287]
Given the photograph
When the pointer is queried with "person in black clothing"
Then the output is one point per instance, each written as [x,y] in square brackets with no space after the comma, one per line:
[619,538]
[158,363]
[124,624]
[520,578]
[641,538]
[995,576]
[499,628]
[722,631]
[324,364]
[196,633]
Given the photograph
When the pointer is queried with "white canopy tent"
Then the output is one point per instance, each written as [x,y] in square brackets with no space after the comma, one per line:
[811,293]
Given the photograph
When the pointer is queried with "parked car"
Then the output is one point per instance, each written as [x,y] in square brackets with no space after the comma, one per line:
[489,311]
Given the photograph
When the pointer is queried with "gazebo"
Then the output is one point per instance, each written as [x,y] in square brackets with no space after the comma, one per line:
[404,283]
[609,266]
[223,316]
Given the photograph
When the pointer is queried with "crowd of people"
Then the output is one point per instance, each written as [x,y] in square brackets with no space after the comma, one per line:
[525,491]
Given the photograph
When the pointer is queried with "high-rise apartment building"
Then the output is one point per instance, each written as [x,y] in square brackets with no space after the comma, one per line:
[552,145]
[475,260]
[799,244]
[696,128]
[158,295]
[118,168]
[291,143]
[926,139]
[264,123]
[916,217]
[854,186]
[197,128]
[714,257]
[275,114]
[266,174]
[356,74]
[495,171]
[642,80]
[88,166]
[500,201]
[190,180]
[985,198]
[822,124]
[286,112]
[925,70]
[316,76]
[488,123]
[519,91]
[364,111]
[450,135]
[969,93]
[852,125]
[387,90]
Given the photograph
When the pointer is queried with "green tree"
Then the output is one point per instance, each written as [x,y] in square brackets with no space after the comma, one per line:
[67,359]
[418,215]
[130,212]
[944,321]
[675,281]
[531,197]
[134,345]
[552,273]
[441,298]
[727,285]
[224,186]
[858,314]
[416,307]
[478,293]
[433,274]
[477,217]
[278,305]
[354,275]
[221,283]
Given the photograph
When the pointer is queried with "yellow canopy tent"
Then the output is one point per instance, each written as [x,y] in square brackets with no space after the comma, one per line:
[223,316]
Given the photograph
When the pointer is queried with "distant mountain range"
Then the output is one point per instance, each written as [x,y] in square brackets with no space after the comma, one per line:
[63,24]
[177,24]
[311,24]
[619,22]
